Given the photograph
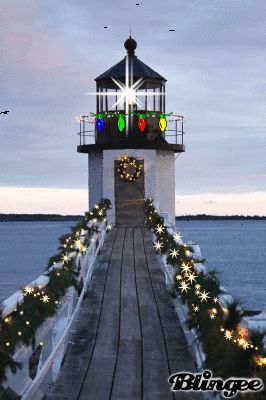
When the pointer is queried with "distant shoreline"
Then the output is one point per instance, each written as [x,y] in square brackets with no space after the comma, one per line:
[205,217]
[58,217]
[38,217]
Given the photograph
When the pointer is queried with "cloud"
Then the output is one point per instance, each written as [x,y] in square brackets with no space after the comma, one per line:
[34,52]
[43,200]
[251,203]
[74,201]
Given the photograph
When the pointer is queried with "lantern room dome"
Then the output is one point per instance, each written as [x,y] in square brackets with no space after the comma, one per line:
[130,108]
[140,70]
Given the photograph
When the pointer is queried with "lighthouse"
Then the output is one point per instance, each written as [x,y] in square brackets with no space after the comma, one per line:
[131,140]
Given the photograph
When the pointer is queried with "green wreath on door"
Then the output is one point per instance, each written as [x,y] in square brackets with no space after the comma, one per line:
[129,169]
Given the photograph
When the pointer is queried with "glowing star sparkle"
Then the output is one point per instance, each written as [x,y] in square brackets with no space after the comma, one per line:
[83,249]
[128,93]
[109,227]
[185,268]
[78,244]
[173,253]
[160,229]
[184,286]
[45,299]
[243,343]
[158,245]
[65,258]
[204,296]
[178,277]
[215,300]
[228,335]
[197,286]
[195,308]
[191,276]
[177,237]
[28,290]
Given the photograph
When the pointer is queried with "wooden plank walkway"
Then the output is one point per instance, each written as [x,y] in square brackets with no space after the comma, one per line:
[127,338]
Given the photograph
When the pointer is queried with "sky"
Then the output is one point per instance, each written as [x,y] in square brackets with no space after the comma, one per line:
[214,63]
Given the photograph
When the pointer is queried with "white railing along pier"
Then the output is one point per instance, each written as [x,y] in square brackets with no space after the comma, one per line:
[53,335]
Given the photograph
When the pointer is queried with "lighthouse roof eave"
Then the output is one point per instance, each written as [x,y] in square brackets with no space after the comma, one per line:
[141,70]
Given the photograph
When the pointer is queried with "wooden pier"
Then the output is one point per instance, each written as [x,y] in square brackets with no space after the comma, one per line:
[127,338]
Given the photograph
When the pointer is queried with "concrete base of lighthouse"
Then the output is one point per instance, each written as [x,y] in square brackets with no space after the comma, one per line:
[158,180]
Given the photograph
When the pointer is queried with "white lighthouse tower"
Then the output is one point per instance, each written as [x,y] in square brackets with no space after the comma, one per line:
[131,141]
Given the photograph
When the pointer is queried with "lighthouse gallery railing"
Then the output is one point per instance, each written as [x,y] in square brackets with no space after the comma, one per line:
[173,134]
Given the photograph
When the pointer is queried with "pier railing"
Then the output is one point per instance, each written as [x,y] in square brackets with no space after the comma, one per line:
[54,335]
[253,322]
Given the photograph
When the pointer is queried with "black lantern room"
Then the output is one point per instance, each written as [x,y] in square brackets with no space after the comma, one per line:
[130,108]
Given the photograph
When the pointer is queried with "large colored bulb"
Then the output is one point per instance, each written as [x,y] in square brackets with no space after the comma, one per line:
[100,124]
[121,123]
[142,124]
[162,124]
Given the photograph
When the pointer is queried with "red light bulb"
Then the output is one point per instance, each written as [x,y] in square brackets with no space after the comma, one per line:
[142,124]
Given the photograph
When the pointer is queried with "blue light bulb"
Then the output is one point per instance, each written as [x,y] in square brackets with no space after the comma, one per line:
[100,124]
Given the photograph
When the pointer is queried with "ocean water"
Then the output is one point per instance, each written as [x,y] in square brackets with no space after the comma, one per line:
[25,248]
[237,250]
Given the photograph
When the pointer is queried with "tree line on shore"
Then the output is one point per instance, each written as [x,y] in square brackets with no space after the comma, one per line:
[38,217]
[219,217]
[58,217]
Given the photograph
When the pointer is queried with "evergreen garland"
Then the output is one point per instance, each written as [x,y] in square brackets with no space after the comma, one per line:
[231,349]
[41,303]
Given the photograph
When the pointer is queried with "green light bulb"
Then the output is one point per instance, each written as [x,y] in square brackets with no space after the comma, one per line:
[121,123]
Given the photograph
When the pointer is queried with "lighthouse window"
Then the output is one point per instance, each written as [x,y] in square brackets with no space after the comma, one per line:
[112,100]
[153,100]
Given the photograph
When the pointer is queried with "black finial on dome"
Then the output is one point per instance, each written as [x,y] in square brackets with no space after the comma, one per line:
[130,45]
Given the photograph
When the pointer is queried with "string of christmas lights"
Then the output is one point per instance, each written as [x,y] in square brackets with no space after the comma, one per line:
[39,303]
[231,348]
[100,123]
